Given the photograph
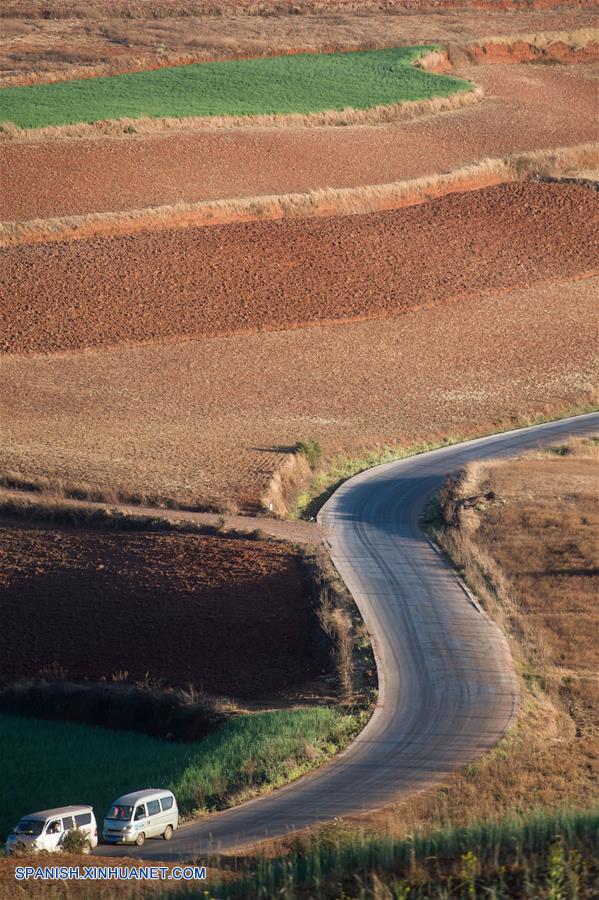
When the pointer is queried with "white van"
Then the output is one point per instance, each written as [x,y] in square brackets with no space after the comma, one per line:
[140,815]
[45,830]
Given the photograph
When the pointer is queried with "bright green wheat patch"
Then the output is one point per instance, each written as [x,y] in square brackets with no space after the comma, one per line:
[285,84]
[50,764]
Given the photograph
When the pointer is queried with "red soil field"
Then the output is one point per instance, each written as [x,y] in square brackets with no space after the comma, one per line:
[186,609]
[34,49]
[265,275]
[209,421]
[526,108]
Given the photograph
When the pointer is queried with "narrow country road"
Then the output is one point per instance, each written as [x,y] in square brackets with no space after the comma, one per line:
[447,688]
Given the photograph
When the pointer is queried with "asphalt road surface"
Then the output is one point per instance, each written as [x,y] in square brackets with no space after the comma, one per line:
[447,688]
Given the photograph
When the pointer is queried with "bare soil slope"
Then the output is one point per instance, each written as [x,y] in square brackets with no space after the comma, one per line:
[37,48]
[180,609]
[211,420]
[526,108]
[223,279]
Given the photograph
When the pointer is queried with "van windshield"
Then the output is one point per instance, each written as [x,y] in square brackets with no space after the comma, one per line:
[30,826]
[120,812]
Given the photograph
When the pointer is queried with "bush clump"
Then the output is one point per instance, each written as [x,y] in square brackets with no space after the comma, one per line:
[174,715]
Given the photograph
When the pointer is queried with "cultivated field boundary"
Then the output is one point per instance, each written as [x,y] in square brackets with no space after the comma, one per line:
[573,45]
[488,172]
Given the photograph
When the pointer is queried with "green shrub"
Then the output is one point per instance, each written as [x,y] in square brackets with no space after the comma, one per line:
[311,450]
[74,841]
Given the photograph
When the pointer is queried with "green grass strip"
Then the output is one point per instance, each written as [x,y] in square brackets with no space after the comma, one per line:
[303,83]
[48,764]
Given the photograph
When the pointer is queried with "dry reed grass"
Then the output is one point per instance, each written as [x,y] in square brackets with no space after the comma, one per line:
[532,557]
[575,39]
[285,483]
[327,201]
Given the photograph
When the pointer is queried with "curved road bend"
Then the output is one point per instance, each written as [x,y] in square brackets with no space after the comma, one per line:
[447,688]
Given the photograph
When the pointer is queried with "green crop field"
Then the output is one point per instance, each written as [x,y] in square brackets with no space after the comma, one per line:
[49,764]
[285,84]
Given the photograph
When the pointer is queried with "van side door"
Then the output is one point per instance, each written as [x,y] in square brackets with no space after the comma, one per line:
[154,818]
[52,836]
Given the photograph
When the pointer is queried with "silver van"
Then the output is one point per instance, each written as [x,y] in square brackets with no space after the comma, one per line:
[140,815]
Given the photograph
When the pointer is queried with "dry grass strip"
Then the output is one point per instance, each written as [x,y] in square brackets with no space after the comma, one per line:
[327,201]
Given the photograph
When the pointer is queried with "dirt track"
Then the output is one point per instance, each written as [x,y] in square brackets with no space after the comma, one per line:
[228,605]
[209,420]
[527,107]
[225,279]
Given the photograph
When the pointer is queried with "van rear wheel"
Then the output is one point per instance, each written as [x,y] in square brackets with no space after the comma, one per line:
[168,833]
[140,839]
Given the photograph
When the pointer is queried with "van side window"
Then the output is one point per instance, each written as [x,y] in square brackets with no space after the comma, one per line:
[140,812]
[166,803]
[153,807]
[67,823]
[54,827]
[83,819]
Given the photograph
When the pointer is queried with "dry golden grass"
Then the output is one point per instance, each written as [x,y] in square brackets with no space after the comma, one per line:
[575,40]
[326,201]
[532,556]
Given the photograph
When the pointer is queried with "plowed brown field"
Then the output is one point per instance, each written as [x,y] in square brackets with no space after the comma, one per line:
[527,107]
[223,279]
[209,420]
[185,609]
[69,46]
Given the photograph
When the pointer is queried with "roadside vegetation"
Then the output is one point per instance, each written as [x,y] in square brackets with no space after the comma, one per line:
[332,472]
[538,856]
[523,535]
[48,764]
[304,83]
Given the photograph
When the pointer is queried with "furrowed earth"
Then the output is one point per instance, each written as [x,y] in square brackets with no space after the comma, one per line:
[259,276]
[41,48]
[177,609]
[235,406]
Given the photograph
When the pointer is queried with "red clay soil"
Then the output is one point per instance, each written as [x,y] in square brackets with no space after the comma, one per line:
[527,108]
[208,421]
[186,609]
[272,275]
[166,8]
[523,52]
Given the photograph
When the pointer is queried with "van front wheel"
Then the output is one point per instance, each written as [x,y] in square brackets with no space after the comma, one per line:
[168,833]
[140,839]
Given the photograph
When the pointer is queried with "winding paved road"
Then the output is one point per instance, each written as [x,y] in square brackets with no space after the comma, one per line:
[447,688]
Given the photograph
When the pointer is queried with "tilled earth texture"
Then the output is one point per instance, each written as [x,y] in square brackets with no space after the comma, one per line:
[63,47]
[178,608]
[526,107]
[210,420]
[272,275]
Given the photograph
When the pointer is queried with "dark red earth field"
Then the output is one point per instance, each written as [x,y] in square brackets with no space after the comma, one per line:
[271,275]
[179,608]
